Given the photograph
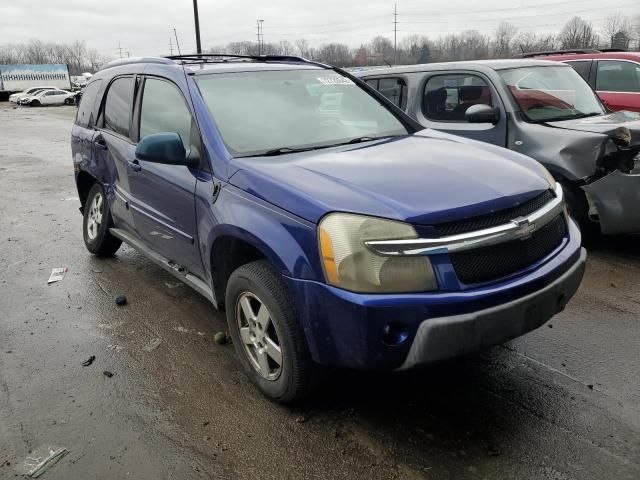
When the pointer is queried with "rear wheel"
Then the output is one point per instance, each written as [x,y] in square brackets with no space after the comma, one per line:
[266,334]
[96,224]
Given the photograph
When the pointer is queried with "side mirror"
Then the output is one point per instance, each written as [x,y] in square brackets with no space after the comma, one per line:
[482,113]
[165,148]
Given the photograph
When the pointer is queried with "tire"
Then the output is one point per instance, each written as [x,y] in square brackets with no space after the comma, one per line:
[259,286]
[35,103]
[579,209]
[96,224]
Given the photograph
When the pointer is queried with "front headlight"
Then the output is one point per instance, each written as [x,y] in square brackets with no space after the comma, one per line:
[349,264]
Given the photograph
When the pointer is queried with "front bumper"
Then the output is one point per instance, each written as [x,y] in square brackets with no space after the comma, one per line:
[457,335]
[346,329]
[617,200]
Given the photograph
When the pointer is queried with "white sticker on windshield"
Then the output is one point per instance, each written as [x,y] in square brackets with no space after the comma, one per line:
[335,80]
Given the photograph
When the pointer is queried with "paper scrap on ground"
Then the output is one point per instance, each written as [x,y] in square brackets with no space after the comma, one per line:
[37,465]
[57,274]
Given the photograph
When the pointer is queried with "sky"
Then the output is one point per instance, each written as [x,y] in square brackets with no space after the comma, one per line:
[145,27]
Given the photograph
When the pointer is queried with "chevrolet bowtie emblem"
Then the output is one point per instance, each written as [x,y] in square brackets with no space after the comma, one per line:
[524,228]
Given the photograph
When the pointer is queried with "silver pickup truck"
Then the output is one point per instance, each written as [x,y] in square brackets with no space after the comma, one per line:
[541,109]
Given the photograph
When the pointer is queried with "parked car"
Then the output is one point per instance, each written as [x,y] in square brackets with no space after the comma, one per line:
[347,236]
[16,97]
[614,75]
[539,108]
[49,97]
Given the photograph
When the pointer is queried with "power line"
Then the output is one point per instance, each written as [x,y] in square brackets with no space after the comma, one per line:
[507,19]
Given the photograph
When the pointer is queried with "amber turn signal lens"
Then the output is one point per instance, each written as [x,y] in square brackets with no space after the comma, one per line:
[328,261]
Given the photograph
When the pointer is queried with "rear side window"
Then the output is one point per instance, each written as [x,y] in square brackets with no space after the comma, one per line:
[164,109]
[394,88]
[582,67]
[84,115]
[447,97]
[617,76]
[117,107]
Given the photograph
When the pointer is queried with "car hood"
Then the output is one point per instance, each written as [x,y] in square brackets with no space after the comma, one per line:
[618,125]
[425,178]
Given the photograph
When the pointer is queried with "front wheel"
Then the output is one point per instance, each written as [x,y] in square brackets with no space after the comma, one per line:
[96,224]
[266,334]
[35,103]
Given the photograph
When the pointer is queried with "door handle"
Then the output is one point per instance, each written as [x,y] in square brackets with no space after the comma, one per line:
[135,165]
[100,143]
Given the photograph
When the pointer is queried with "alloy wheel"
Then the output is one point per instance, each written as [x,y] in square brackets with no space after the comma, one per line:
[259,336]
[94,219]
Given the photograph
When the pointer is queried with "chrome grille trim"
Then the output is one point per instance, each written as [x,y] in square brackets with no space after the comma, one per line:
[517,228]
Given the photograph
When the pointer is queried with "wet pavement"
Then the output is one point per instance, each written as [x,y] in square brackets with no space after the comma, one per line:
[562,403]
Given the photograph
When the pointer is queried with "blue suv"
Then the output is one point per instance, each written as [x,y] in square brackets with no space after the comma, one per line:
[332,228]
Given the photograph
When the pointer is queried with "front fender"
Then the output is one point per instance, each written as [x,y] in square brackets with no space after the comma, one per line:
[287,241]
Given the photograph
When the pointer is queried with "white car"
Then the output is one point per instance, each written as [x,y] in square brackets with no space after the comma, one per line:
[54,96]
[16,97]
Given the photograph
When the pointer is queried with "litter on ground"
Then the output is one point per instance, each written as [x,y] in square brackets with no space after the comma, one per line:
[57,274]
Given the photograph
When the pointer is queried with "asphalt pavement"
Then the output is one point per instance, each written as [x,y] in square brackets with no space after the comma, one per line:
[561,403]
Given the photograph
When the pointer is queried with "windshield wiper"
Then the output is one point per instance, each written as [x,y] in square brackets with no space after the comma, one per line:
[283,150]
[575,116]
[364,139]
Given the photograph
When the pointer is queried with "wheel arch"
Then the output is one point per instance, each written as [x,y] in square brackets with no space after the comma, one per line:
[232,248]
[84,182]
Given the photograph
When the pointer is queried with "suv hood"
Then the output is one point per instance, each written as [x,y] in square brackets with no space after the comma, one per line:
[425,178]
[612,125]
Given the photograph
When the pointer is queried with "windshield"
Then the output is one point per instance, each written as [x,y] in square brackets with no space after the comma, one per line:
[282,111]
[551,93]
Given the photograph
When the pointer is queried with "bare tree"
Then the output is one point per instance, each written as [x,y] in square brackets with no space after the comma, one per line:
[382,47]
[578,33]
[503,40]
[303,47]
[618,30]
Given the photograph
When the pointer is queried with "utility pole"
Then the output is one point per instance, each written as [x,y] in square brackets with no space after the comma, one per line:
[395,33]
[197,20]
[120,48]
[260,36]
[177,42]
[171,45]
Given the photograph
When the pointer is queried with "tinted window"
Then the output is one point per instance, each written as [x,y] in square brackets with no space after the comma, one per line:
[447,97]
[84,116]
[117,108]
[582,68]
[164,110]
[614,76]
[395,89]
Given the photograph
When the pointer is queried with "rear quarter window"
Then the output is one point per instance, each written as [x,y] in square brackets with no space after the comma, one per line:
[394,88]
[582,67]
[118,106]
[84,115]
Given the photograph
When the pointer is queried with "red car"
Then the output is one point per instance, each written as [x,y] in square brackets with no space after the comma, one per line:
[614,75]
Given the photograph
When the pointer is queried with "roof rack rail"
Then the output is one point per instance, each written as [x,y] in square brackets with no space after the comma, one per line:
[558,52]
[225,57]
[133,60]
[613,50]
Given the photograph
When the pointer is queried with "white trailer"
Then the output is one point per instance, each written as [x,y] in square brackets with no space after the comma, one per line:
[17,78]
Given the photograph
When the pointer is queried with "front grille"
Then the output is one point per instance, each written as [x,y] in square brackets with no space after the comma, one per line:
[490,263]
[496,218]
